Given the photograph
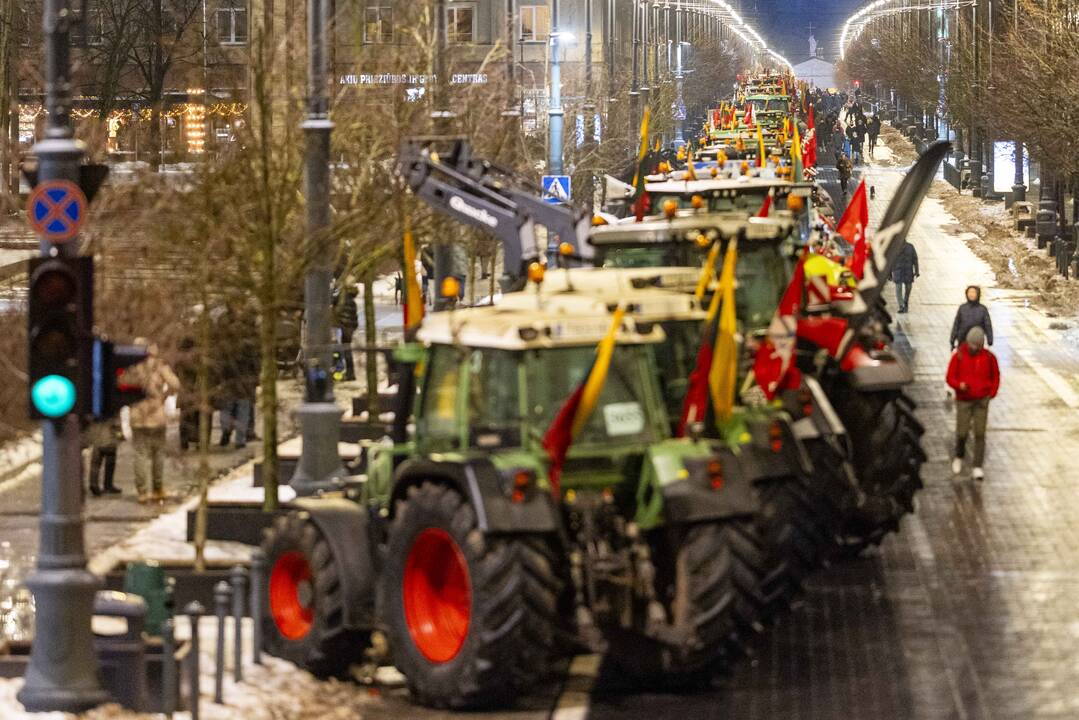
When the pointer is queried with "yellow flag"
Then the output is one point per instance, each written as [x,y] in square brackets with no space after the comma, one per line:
[413,299]
[655,144]
[638,177]
[796,156]
[760,146]
[722,376]
[593,386]
[707,272]
[691,172]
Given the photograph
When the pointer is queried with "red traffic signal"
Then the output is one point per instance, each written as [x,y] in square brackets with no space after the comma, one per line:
[112,389]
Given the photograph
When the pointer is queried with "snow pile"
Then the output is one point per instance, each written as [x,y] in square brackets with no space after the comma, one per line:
[165,538]
[275,690]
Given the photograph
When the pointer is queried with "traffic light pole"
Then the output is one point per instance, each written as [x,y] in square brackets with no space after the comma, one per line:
[63,673]
[320,420]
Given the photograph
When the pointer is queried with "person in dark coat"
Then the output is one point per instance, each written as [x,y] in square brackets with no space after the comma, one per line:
[874,132]
[903,274]
[844,167]
[346,317]
[969,315]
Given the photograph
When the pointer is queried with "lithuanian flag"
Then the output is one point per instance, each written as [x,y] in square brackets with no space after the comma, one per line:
[574,414]
[413,299]
[796,156]
[760,147]
[714,372]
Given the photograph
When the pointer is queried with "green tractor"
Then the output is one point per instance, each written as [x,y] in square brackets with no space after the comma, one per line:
[458,549]
[864,480]
[795,507]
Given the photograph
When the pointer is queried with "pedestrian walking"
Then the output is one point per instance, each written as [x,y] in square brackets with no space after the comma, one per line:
[874,132]
[843,165]
[188,400]
[903,274]
[237,383]
[971,314]
[347,319]
[148,421]
[104,439]
[975,376]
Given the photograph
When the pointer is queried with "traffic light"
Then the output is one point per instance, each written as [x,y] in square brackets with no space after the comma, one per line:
[112,388]
[60,335]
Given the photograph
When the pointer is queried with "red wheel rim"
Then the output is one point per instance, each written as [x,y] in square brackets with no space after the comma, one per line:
[437,595]
[292,597]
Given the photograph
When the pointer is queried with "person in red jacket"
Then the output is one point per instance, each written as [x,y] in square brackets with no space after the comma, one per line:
[975,376]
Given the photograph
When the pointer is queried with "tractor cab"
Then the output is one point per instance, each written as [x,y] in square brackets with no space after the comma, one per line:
[765,249]
[590,291]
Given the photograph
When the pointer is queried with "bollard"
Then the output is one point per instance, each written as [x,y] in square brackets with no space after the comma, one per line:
[222,595]
[194,610]
[258,577]
[238,578]
[168,667]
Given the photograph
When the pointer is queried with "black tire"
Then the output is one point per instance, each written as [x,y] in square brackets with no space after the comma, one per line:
[706,574]
[511,604]
[796,527]
[888,456]
[303,617]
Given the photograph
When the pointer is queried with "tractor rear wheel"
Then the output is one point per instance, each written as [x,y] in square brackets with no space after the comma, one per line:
[888,456]
[303,608]
[707,576]
[471,618]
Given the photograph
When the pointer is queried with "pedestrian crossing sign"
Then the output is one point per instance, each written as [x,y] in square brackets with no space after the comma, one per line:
[556,188]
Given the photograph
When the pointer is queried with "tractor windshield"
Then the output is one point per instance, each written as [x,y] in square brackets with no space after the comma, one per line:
[762,277]
[621,414]
[674,254]
[675,359]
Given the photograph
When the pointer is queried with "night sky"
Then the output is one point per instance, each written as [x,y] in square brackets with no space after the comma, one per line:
[785,24]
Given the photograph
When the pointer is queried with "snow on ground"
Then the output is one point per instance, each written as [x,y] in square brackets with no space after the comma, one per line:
[274,690]
[165,538]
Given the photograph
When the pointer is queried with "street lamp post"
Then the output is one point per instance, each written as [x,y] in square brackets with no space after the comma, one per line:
[643,28]
[320,419]
[442,123]
[679,81]
[635,87]
[589,102]
[63,673]
[555,114]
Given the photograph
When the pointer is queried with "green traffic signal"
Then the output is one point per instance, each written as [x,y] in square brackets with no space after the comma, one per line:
[53,396]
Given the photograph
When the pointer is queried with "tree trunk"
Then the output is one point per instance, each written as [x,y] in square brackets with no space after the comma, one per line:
[155,133]
[7,81]
[203,351]
[370,358]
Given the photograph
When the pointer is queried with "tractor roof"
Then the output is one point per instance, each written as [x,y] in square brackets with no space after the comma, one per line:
[596,290]
[722,187]
[688,228]
[519,328]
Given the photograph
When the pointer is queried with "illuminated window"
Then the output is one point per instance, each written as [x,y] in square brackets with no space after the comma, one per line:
[535,23]
[461,23]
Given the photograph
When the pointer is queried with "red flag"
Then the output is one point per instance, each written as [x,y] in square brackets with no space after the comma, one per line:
[766,206]
[772,362]
[747,116]
[809,157]
[574,413]
[715,118]
[852,227]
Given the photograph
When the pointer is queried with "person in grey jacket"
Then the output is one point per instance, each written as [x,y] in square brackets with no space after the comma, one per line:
[903,274]
[971,314]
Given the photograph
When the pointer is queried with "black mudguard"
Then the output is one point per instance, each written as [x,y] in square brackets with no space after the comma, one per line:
[346,526]
[480,482]
[694,499]
[885,376]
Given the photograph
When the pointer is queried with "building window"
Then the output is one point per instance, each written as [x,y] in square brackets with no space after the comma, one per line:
[461,23]
[535,23]
[232,23]
[90,31]
[378,25]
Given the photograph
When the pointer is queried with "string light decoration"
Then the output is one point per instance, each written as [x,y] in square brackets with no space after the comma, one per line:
[195,124]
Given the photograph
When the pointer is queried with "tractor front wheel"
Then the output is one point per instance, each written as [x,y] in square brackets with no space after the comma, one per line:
[471,618]
[303,607]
